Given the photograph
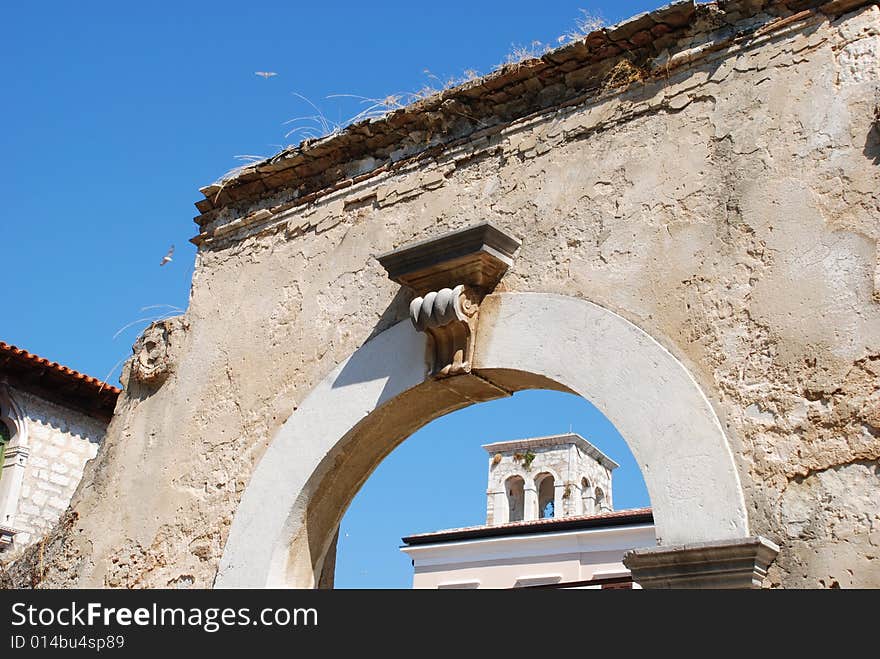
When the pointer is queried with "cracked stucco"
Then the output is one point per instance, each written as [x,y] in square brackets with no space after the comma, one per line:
[730,210]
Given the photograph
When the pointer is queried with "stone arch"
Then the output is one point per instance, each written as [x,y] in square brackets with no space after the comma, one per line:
[514,491]
[286,522]
[15,456]
[533,504]
[546,470]
[545,486]
[11,413]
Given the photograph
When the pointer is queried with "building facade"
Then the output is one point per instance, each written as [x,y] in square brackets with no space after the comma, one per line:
[549,523]
[558,475]
[52,420]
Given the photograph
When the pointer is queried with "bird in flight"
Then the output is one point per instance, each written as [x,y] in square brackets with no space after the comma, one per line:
[167,257]
[266,74]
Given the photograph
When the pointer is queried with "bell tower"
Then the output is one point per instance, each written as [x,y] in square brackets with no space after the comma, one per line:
[542,477]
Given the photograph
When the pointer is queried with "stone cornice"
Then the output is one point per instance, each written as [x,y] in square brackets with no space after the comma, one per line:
[13,453]
[737,563]
[477,256]
[550,441]
[656,42]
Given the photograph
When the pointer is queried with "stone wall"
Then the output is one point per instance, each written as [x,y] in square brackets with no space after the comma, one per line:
[61,441]
[727,205]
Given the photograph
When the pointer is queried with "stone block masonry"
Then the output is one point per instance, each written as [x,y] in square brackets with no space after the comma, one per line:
[61,441]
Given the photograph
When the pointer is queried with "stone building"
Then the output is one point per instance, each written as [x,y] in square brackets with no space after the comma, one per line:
[549,523]
[555,476]
[52,420]
[674,217]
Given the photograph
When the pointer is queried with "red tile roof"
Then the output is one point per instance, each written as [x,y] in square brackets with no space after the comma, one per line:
[59,383]
[547,524]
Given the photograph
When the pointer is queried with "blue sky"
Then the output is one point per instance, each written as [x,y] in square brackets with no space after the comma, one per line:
[437,478]
[115,113]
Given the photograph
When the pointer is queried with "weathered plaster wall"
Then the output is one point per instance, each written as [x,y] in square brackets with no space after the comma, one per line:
[730,210]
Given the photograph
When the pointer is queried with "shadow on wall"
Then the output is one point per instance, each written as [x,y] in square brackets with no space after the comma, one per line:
[397,310]
[402,341]
[872,141]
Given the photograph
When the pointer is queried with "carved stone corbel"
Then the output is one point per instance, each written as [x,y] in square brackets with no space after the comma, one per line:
[449,317]
[450,275]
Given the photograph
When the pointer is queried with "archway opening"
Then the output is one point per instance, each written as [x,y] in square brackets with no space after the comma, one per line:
[437,480]
[546,493]
[284,530]
[515,488]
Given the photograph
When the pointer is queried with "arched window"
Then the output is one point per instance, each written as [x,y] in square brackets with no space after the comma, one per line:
[515,489]
[5,437]
[600,500]
[546,495]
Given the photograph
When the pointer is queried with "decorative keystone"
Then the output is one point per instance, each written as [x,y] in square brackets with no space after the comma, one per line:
[450,276]
[449,318]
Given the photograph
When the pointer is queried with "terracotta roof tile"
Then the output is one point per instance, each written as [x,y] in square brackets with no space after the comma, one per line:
[59,368]
[69,386]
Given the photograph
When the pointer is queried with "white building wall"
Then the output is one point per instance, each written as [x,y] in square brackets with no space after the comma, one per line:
[60,442]
[527,560]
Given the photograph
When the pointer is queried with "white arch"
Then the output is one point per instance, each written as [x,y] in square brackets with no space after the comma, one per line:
[545,470]
[558,485]
[11,413]
[273,507]
[555,495]
[645,392]
[505,515]
[14,458]
[649,396]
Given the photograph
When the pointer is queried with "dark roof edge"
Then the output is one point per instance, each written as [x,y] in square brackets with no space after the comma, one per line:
[57,383]
[641,516]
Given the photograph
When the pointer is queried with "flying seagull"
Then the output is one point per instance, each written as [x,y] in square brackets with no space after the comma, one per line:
[167,257]
[266,74]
